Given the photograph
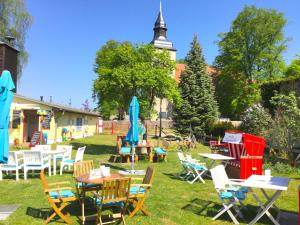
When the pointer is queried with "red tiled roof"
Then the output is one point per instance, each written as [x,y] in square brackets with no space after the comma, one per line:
[180,67]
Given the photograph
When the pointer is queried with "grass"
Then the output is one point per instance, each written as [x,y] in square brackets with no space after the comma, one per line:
[171,201]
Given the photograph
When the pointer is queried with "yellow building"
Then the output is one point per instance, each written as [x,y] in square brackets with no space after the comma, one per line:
[29,115]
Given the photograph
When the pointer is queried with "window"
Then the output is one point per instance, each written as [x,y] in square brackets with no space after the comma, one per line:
[78,124]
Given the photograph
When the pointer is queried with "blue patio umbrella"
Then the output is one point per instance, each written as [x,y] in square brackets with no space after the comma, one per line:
[6,96]
[133,133]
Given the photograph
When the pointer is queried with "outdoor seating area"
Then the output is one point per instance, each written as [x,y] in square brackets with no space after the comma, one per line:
[108,125]
[38,158]
[219,199]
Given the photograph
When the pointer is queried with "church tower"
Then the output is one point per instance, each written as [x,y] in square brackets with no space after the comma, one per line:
[160,41]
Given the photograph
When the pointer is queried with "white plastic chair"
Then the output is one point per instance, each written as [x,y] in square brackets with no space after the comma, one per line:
[229,192]
[14,164]
[67,154]
[35,160]
[69,162]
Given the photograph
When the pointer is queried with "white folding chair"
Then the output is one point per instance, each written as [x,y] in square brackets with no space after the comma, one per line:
[69,162]
[197,170]
[229,193]
[192,168]
[35,160]
[14,164]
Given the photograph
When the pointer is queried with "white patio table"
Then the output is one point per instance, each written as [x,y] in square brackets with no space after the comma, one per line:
[214,158]
[278,184]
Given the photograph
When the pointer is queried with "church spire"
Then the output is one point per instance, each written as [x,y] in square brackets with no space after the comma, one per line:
[160,32]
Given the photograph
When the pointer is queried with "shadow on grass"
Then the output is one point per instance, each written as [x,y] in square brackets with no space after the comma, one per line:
[210,209]
[94,149]
[74,209]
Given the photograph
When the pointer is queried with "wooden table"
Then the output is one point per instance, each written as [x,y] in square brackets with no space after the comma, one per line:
[87,180]
[149,151]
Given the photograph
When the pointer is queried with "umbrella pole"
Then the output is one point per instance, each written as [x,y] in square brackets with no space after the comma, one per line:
[132,157]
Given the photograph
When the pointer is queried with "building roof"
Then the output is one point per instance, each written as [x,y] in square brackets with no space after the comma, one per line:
[180,67]
[11,47]
[58,106]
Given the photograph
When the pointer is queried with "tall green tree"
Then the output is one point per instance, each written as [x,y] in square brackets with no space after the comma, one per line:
[125,70]
[293,70]
[15,22]
[199,106]
[249,53]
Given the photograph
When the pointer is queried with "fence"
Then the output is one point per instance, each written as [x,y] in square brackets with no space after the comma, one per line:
[122,126]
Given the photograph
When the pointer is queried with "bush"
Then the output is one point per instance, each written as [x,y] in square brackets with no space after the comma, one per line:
[285,127]
[218,129]
[255,120]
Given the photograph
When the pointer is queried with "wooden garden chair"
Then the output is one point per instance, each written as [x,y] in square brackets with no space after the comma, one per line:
[82,168]
[114,194]
[59,197]
[139,192]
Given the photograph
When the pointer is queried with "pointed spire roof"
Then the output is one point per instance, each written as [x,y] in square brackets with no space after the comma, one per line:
[160,22]
[160,39]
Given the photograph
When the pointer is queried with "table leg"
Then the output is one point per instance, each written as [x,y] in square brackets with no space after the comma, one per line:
[54,164]
[268,198]
[82,206]
[265,208]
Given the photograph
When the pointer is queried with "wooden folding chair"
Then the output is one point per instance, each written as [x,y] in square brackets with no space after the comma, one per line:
[139,192]
[59,197]
[82,168]
[114,193]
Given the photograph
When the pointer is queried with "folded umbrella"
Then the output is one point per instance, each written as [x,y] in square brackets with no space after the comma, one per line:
[6,96]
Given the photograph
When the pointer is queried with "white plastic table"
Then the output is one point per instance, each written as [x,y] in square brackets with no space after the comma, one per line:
[53,154]
[278,184]
[214,158]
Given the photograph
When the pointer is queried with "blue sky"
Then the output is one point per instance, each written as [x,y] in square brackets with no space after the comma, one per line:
[65,36]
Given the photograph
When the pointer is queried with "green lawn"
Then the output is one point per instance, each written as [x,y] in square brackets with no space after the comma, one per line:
[171,200]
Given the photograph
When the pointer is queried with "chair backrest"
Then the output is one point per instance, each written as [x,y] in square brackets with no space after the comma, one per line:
[43,147]
[148,179]
[67,149]
[219,177]
[188,157]
[181,156]
[12,158]
[83,167]
[79,154]
[115,190]
[33,157]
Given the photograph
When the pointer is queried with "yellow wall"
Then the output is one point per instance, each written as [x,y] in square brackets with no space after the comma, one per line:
[59,120]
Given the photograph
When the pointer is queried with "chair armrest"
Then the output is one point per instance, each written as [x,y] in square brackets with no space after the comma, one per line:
[58,183]
[137,178]
[57,189]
